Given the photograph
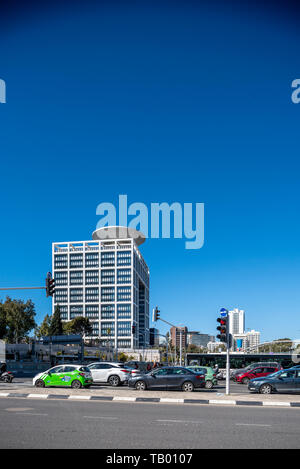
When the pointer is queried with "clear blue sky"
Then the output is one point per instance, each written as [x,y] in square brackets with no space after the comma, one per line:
[163,101]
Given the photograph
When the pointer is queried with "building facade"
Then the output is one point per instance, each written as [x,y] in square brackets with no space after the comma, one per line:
[175,336]
[236,321]
[107,281]
[198,339]
[154,337]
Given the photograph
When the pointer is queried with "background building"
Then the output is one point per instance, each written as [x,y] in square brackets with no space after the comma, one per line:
[198,339]
[175,336]
[154,337]
[253,339]
[107,281]
[236,321]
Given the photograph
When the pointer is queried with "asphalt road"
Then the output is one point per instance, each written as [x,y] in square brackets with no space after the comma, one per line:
[59,424]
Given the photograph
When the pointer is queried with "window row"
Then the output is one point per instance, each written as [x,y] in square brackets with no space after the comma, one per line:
[92,260]
[107,276]
[93,311]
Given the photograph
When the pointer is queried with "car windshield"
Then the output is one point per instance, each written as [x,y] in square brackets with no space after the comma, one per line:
[275,375]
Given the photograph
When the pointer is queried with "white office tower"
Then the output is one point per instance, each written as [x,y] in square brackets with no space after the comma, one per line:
[236,321]
[107,281]
[252,340]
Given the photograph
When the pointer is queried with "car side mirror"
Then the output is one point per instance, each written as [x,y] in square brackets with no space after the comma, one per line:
[49,373]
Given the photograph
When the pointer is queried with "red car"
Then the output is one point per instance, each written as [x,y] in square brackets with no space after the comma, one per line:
[256,373]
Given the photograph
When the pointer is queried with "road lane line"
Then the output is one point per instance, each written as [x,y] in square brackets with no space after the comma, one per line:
[99,417]
[178,421]
[253,424]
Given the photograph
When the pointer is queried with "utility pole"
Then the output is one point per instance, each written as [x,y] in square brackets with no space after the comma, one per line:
[225,337]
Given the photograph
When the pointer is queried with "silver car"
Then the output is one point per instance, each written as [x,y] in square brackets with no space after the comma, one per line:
[109,372]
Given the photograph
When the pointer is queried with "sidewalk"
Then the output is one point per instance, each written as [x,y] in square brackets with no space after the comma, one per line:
[176,397]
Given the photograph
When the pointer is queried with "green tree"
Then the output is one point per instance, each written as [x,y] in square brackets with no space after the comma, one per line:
[44,329]
[3,324]
[79,325]
[56,326]
[19,318]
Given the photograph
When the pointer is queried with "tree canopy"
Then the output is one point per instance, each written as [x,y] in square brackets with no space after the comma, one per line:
[16,319]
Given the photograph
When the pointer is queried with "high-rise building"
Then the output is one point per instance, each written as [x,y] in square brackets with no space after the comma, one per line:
[107,281]
[175,336]
[154,337]
[236,321]
[253,340]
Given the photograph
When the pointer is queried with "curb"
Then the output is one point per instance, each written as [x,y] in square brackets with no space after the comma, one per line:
[78,397]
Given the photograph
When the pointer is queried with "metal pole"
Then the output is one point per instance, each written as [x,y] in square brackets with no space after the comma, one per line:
[175,351]
[227,370]
[180,348]
[23,288]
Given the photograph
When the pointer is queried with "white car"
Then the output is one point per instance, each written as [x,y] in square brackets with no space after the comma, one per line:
[108,372]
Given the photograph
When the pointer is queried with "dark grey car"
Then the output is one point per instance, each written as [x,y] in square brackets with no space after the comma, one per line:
[168,378]
[281,381]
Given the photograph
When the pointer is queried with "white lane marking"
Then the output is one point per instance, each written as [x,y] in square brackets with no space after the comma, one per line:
[253,424]
[178,421]
[79,397]
[287,404]
[219,401]
[165,399]
[31,413]
[40,396]
[4,394]
[120,398]
[99,417]
[18,409]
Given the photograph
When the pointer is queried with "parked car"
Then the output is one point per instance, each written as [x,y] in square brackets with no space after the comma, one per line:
[259,372]
[209,373]
[282,381]
[109,372]
[75,376]
[234,373]
[138,368]
[168,378]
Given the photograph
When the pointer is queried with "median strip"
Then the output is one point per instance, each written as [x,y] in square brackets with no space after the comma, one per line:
[162,400]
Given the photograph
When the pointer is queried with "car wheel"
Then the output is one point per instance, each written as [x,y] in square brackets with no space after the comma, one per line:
[39,383]
[114,380]
[187,386]
[265,389]
[140,385]
[209,385]
[76,384]
[245,380]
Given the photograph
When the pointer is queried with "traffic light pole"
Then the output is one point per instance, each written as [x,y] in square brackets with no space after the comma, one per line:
[23,288]
[180,345]
[227,369]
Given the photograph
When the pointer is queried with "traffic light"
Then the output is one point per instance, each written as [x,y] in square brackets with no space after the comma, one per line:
[133,329]
[223,329]
[50,286]
[156,314]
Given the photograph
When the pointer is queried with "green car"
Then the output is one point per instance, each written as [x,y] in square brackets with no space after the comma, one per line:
[74,376]
[210,375]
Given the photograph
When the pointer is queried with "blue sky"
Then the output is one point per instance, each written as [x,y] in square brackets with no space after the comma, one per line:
[169,102]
